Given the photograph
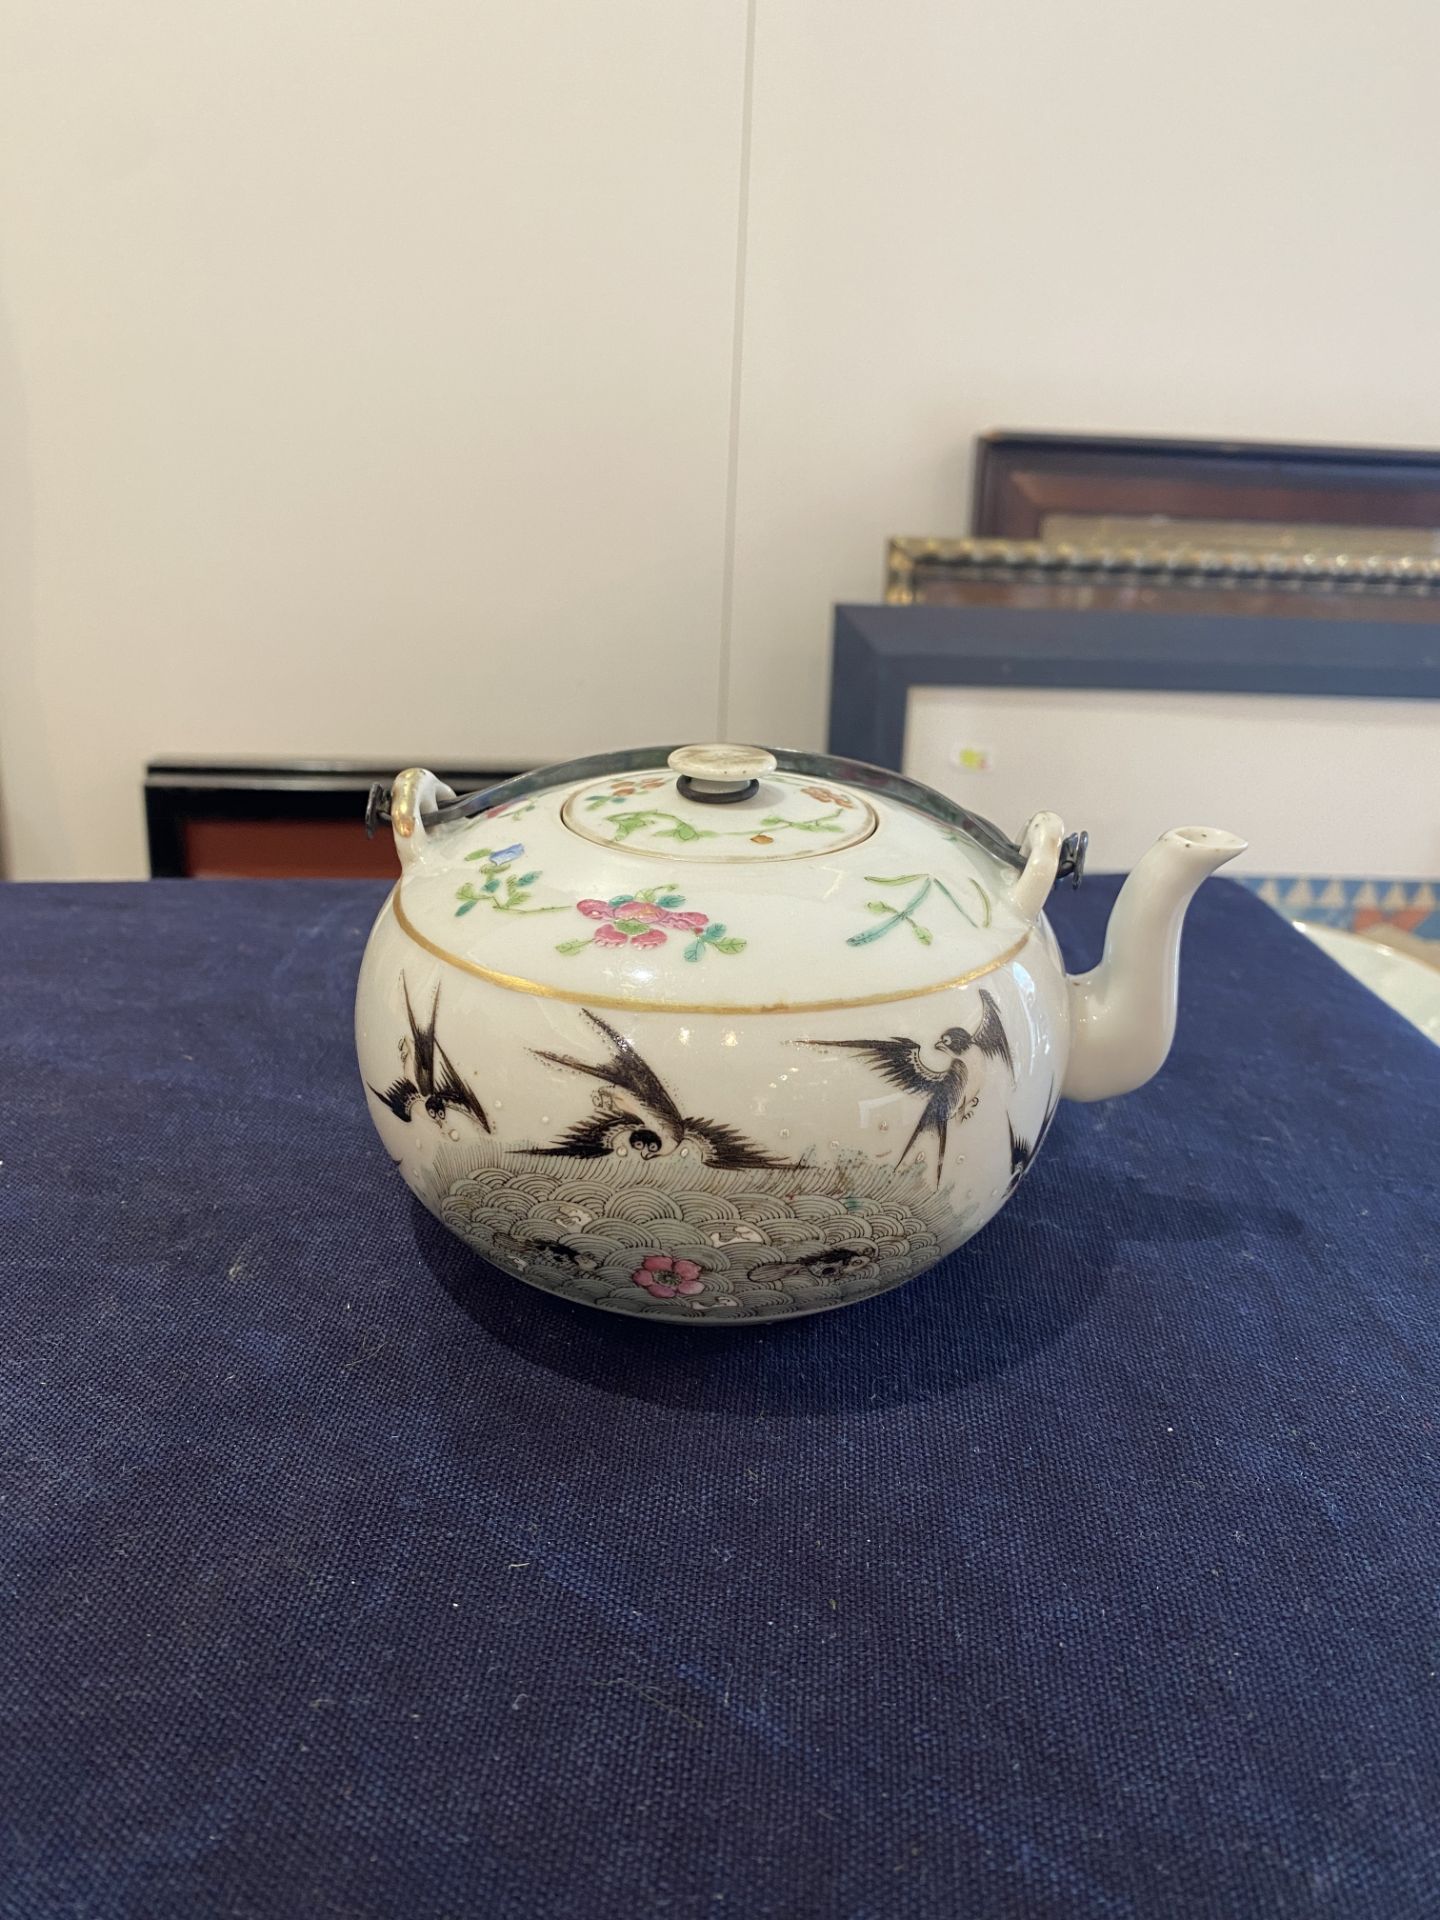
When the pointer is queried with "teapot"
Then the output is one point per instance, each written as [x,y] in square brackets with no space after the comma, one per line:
[714,1034]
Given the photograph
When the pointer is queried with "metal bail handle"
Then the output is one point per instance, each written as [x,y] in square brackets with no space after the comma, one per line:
[720,775]
[1071,866]
[377,809]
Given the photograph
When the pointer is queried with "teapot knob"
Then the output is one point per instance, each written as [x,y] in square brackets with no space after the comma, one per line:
[720,773]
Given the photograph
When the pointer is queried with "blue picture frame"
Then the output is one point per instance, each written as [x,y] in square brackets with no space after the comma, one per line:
[880,652]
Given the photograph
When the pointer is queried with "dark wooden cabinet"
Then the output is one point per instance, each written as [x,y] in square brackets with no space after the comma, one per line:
[293,819]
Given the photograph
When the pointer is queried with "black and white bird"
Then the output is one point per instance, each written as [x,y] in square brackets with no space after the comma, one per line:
[634,1112]
[1023,1151]
[432,1078]
[944,1089]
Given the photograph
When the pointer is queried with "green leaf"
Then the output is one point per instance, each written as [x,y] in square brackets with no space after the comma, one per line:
[465,908]
[631,926]
[922,934]
[774,820]
[480,853]
[730,946]
[893,880]
[492,885]
[517,898]
[671,900]
[878,906]
[694,950]
[527,879]
[713,931]
[466,892]
[682,830]
[959,905]
[573,946]
[619,899]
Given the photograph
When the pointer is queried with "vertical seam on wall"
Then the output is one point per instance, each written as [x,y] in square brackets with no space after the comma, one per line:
[737,361]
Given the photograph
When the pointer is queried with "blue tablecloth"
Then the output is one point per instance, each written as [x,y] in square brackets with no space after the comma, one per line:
[1093,1574]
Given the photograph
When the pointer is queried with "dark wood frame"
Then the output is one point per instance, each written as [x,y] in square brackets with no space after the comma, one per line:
[880,653]
[178,792]
[1020,478]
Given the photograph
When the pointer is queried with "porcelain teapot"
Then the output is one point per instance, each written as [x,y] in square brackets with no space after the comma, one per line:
[714,1034]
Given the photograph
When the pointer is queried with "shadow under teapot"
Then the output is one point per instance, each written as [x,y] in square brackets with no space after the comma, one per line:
[986,1309]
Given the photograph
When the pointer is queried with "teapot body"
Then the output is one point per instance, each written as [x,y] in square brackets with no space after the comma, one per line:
[713,1034]
[709,1164]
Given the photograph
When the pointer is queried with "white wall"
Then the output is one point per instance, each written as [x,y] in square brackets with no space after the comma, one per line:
[1127,215]
[366,373]
[365,379]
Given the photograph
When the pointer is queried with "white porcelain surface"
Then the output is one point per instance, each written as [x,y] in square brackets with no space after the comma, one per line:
[1404,982]
[796,876]
[721,1060]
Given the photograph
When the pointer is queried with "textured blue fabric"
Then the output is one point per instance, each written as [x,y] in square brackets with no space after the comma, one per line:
[1093,1574]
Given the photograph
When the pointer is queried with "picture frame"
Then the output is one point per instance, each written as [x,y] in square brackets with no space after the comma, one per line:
[880,653]
[1114,488]
[1172,577]
[1315,739]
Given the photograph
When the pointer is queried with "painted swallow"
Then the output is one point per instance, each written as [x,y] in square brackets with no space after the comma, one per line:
[634,1111]
[944,1089]
[1022,1151]
[435,1081]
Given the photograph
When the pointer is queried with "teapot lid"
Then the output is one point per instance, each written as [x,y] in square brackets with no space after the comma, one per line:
[709,879]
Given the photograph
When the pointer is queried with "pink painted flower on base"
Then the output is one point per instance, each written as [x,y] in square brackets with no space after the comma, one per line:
[663,1276]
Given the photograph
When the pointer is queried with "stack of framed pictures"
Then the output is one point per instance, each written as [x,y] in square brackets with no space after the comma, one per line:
[1145,633]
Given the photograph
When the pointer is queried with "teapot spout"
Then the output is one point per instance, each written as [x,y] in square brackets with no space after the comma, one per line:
[1122,1013]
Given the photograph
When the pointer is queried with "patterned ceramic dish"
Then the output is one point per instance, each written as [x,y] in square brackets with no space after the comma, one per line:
[720,1035]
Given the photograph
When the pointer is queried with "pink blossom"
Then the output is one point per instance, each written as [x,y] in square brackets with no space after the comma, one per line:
[645,910]
[663,1276]
[637,922]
